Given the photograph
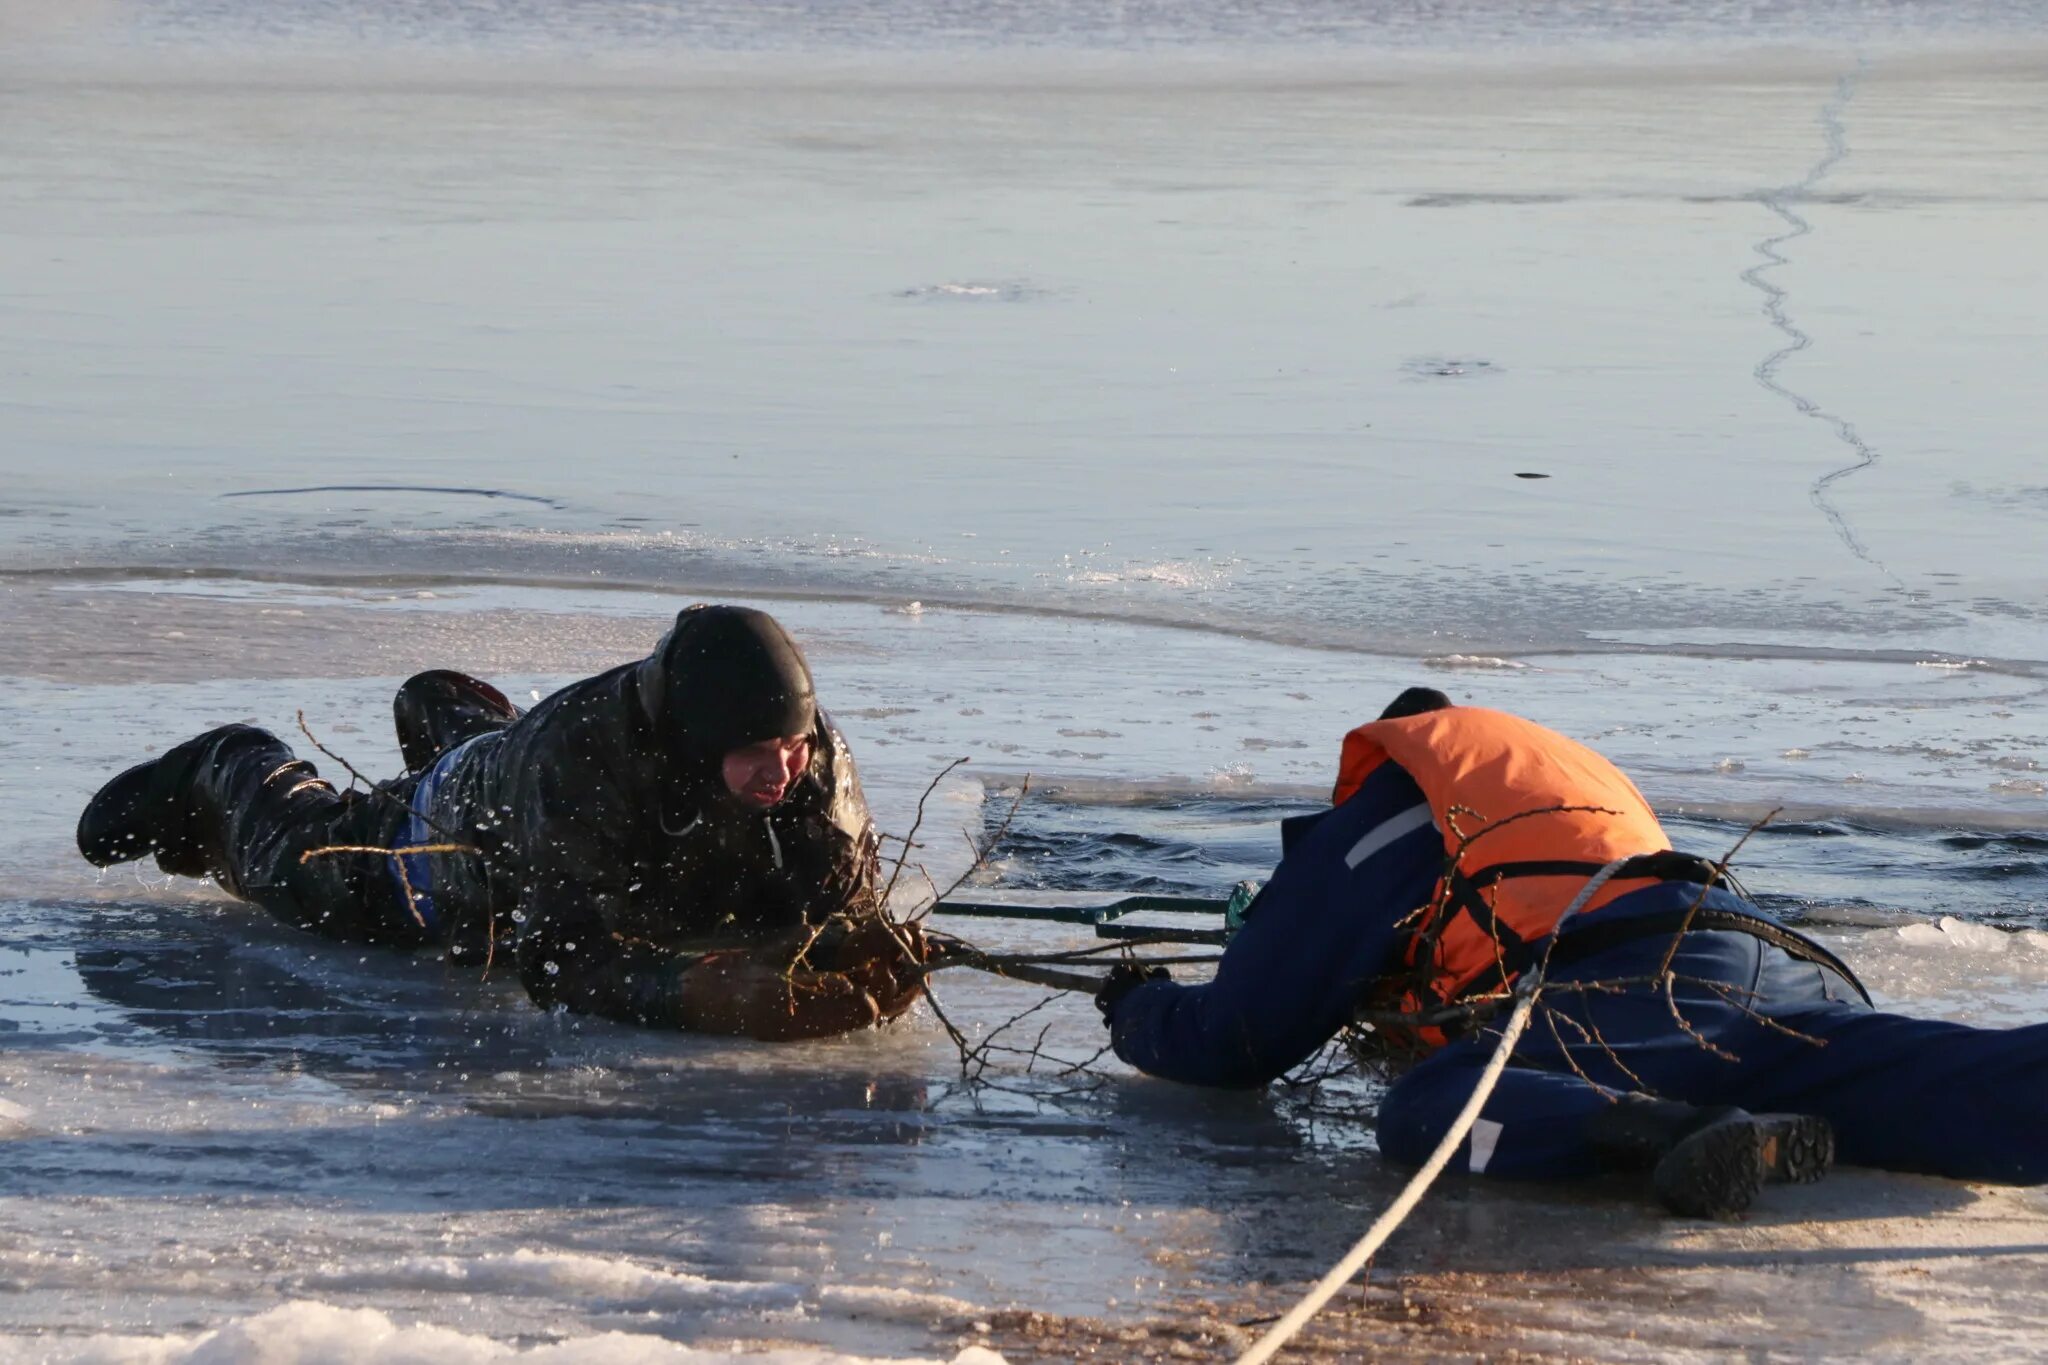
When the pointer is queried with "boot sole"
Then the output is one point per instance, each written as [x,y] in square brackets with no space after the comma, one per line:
[1797,1149]
[1718,1172]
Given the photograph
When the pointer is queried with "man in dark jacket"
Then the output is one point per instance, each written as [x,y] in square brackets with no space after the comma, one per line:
[680,842]
[1680,1030]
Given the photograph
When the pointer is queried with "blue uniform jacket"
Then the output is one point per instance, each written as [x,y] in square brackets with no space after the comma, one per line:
[1320,932]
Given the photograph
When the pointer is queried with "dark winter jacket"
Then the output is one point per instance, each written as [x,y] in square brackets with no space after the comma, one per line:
[611,855]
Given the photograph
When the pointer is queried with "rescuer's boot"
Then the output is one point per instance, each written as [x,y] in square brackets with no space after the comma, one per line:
[1710,1163]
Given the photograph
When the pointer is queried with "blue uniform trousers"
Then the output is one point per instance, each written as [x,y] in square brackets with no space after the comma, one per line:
[1761,1030]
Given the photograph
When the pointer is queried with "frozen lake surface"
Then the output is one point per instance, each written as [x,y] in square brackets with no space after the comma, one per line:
[1135,403]
[351,1130]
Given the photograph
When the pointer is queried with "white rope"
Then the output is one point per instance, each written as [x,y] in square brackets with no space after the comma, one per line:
[1281,1332]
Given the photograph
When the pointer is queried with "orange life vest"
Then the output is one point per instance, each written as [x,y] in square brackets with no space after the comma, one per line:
[1526,815]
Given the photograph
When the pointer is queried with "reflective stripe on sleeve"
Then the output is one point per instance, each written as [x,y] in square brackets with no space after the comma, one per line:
[1386,832]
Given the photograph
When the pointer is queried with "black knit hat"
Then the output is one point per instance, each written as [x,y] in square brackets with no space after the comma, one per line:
[724,678]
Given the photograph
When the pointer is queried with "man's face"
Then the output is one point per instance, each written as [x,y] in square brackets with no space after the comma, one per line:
[760,775]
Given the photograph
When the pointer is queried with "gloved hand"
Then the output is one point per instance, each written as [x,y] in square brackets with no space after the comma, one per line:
[1124,978]
[887,962]
[872,974]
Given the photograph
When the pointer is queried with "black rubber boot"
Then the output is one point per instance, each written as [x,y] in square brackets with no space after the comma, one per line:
[115,825]
[1712,1163]
[439,709]
[170,806]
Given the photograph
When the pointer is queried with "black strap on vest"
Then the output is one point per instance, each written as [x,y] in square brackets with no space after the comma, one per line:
[1598,935]
[1669,865]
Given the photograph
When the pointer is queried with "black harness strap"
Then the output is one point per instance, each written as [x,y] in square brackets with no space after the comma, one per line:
[1514,954]
[1669,865]
[1597,935]
[1512,949]
[1465,896]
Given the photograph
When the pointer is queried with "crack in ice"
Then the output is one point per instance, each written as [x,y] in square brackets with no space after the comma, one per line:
[1779,201]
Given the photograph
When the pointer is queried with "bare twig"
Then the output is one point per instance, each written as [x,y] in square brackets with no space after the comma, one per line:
[373,788]
[400,851]
[977,1057]
[1728,992]
[910,839]
[982,850]
[1720,873]
[397,857]
[1086,957]
[960,1043]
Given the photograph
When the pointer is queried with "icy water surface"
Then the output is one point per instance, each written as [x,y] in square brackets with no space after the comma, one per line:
[304,1123]
[1134,397]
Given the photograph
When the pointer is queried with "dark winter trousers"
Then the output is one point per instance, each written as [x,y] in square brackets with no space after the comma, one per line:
[1762,1031]
[242,809]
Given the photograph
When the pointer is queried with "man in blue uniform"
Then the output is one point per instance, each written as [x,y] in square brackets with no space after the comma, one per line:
[1720,1051]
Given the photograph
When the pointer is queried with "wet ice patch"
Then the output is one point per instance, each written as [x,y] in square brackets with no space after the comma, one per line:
[2020,786]
[1456,200]
[1950,932]
[897,1305]
[1173,573]
[1230,777]
[1454,663]
[566,1275]
[1447,367]
[311,1331]
[973,291]
[1950,968]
